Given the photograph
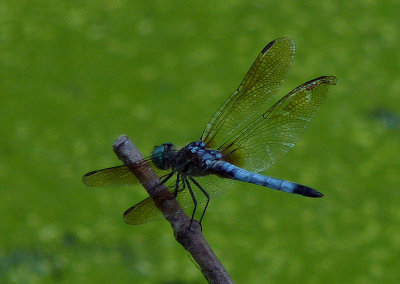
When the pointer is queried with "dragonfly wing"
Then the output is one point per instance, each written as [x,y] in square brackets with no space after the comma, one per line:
[274,133]
[146,210]
[110,177]
[117,176]
[143,212]
[261,83]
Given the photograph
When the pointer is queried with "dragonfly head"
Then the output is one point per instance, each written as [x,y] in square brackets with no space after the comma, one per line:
[162,155]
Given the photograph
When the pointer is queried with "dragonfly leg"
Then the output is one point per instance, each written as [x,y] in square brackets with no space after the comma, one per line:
[207,196]
[178,178]
[193,198]
[165,178]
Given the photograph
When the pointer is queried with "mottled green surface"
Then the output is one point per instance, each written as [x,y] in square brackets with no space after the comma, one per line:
[76,74]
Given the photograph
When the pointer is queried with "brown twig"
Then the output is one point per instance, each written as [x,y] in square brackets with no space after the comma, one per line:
[192,240]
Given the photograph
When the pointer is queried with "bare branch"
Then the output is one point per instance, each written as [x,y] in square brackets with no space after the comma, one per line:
[192,240]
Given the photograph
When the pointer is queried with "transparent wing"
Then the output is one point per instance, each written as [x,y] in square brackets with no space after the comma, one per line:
[261,83]
[117,176]
[274,133]
[146,210]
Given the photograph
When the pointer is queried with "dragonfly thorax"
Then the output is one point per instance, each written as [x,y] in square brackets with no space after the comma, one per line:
[192,160]
[195,160]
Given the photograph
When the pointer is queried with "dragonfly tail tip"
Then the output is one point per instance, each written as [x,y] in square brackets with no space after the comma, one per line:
[307,191]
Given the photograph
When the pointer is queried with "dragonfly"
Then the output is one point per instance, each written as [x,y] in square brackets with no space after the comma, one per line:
[243,138]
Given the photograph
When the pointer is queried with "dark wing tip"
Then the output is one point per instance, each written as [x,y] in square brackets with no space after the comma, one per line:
[268,46]
[86,176]
[129,210]
[128,219]
[90,174]
[285,41]
[307,191]
[309,85]
[288,41]
[330,80]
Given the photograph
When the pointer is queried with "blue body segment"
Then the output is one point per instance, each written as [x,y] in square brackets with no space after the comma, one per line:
[195,160]
[228,170]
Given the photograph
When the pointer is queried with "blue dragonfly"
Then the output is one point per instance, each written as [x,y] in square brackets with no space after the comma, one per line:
[243,138]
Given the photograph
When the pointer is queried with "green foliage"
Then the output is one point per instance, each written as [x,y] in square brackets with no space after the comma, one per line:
[74,75]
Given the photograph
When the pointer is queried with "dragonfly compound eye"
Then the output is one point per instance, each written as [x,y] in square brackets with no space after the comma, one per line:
[160,154]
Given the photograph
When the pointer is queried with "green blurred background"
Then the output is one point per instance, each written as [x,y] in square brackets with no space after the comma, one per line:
[74,75]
